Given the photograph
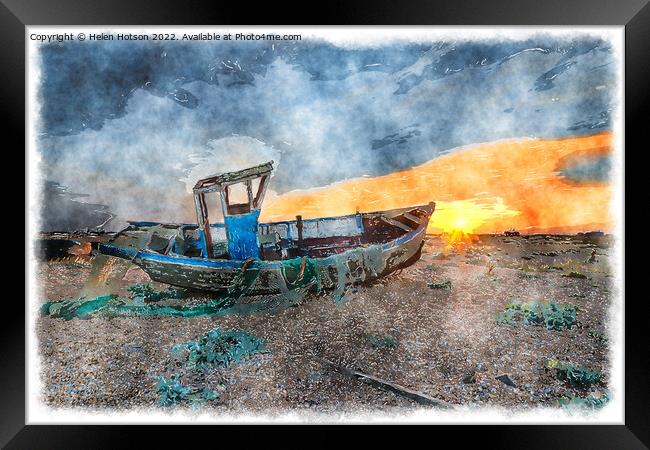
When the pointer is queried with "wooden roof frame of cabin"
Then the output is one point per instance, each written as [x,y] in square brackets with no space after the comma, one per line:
[220,181]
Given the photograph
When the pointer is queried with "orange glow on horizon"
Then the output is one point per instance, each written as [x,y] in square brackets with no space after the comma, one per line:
[485,188]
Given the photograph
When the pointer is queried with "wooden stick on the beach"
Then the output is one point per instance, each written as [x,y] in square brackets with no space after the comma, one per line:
[392,387]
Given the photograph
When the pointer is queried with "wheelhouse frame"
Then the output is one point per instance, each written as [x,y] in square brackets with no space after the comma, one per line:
[222,183]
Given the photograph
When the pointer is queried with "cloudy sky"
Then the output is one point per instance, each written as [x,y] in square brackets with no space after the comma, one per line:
[127,127]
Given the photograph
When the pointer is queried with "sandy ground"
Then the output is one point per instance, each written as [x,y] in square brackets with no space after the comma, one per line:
[449,345]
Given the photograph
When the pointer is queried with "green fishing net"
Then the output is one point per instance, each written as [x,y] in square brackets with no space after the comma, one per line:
[299,274]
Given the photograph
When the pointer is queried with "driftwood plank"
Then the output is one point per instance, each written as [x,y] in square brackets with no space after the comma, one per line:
[391,387]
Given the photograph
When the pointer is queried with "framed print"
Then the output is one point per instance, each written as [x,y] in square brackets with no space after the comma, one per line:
[416,223]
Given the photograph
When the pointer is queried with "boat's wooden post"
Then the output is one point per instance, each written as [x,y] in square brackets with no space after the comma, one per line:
[299,226]
[249,191]
[203,222]
[208,239]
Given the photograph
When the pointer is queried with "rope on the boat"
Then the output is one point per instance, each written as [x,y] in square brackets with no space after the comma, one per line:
[307,276]
[300,276]
[239,284]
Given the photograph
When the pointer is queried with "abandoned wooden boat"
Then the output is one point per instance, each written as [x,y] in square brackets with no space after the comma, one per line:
[243,255]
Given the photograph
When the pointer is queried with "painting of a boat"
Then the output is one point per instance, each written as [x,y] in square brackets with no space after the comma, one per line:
[242,254]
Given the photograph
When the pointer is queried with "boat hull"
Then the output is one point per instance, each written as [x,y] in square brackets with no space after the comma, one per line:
[260,277]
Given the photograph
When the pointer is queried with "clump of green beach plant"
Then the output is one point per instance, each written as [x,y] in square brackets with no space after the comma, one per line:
[574,274]
[552,315]
[172,392]
[218,347]
[382,341]
[591,401]
[575,376]
[440,285]
[600,337]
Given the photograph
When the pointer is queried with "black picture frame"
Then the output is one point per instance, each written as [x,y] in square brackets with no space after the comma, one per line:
[16,14]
